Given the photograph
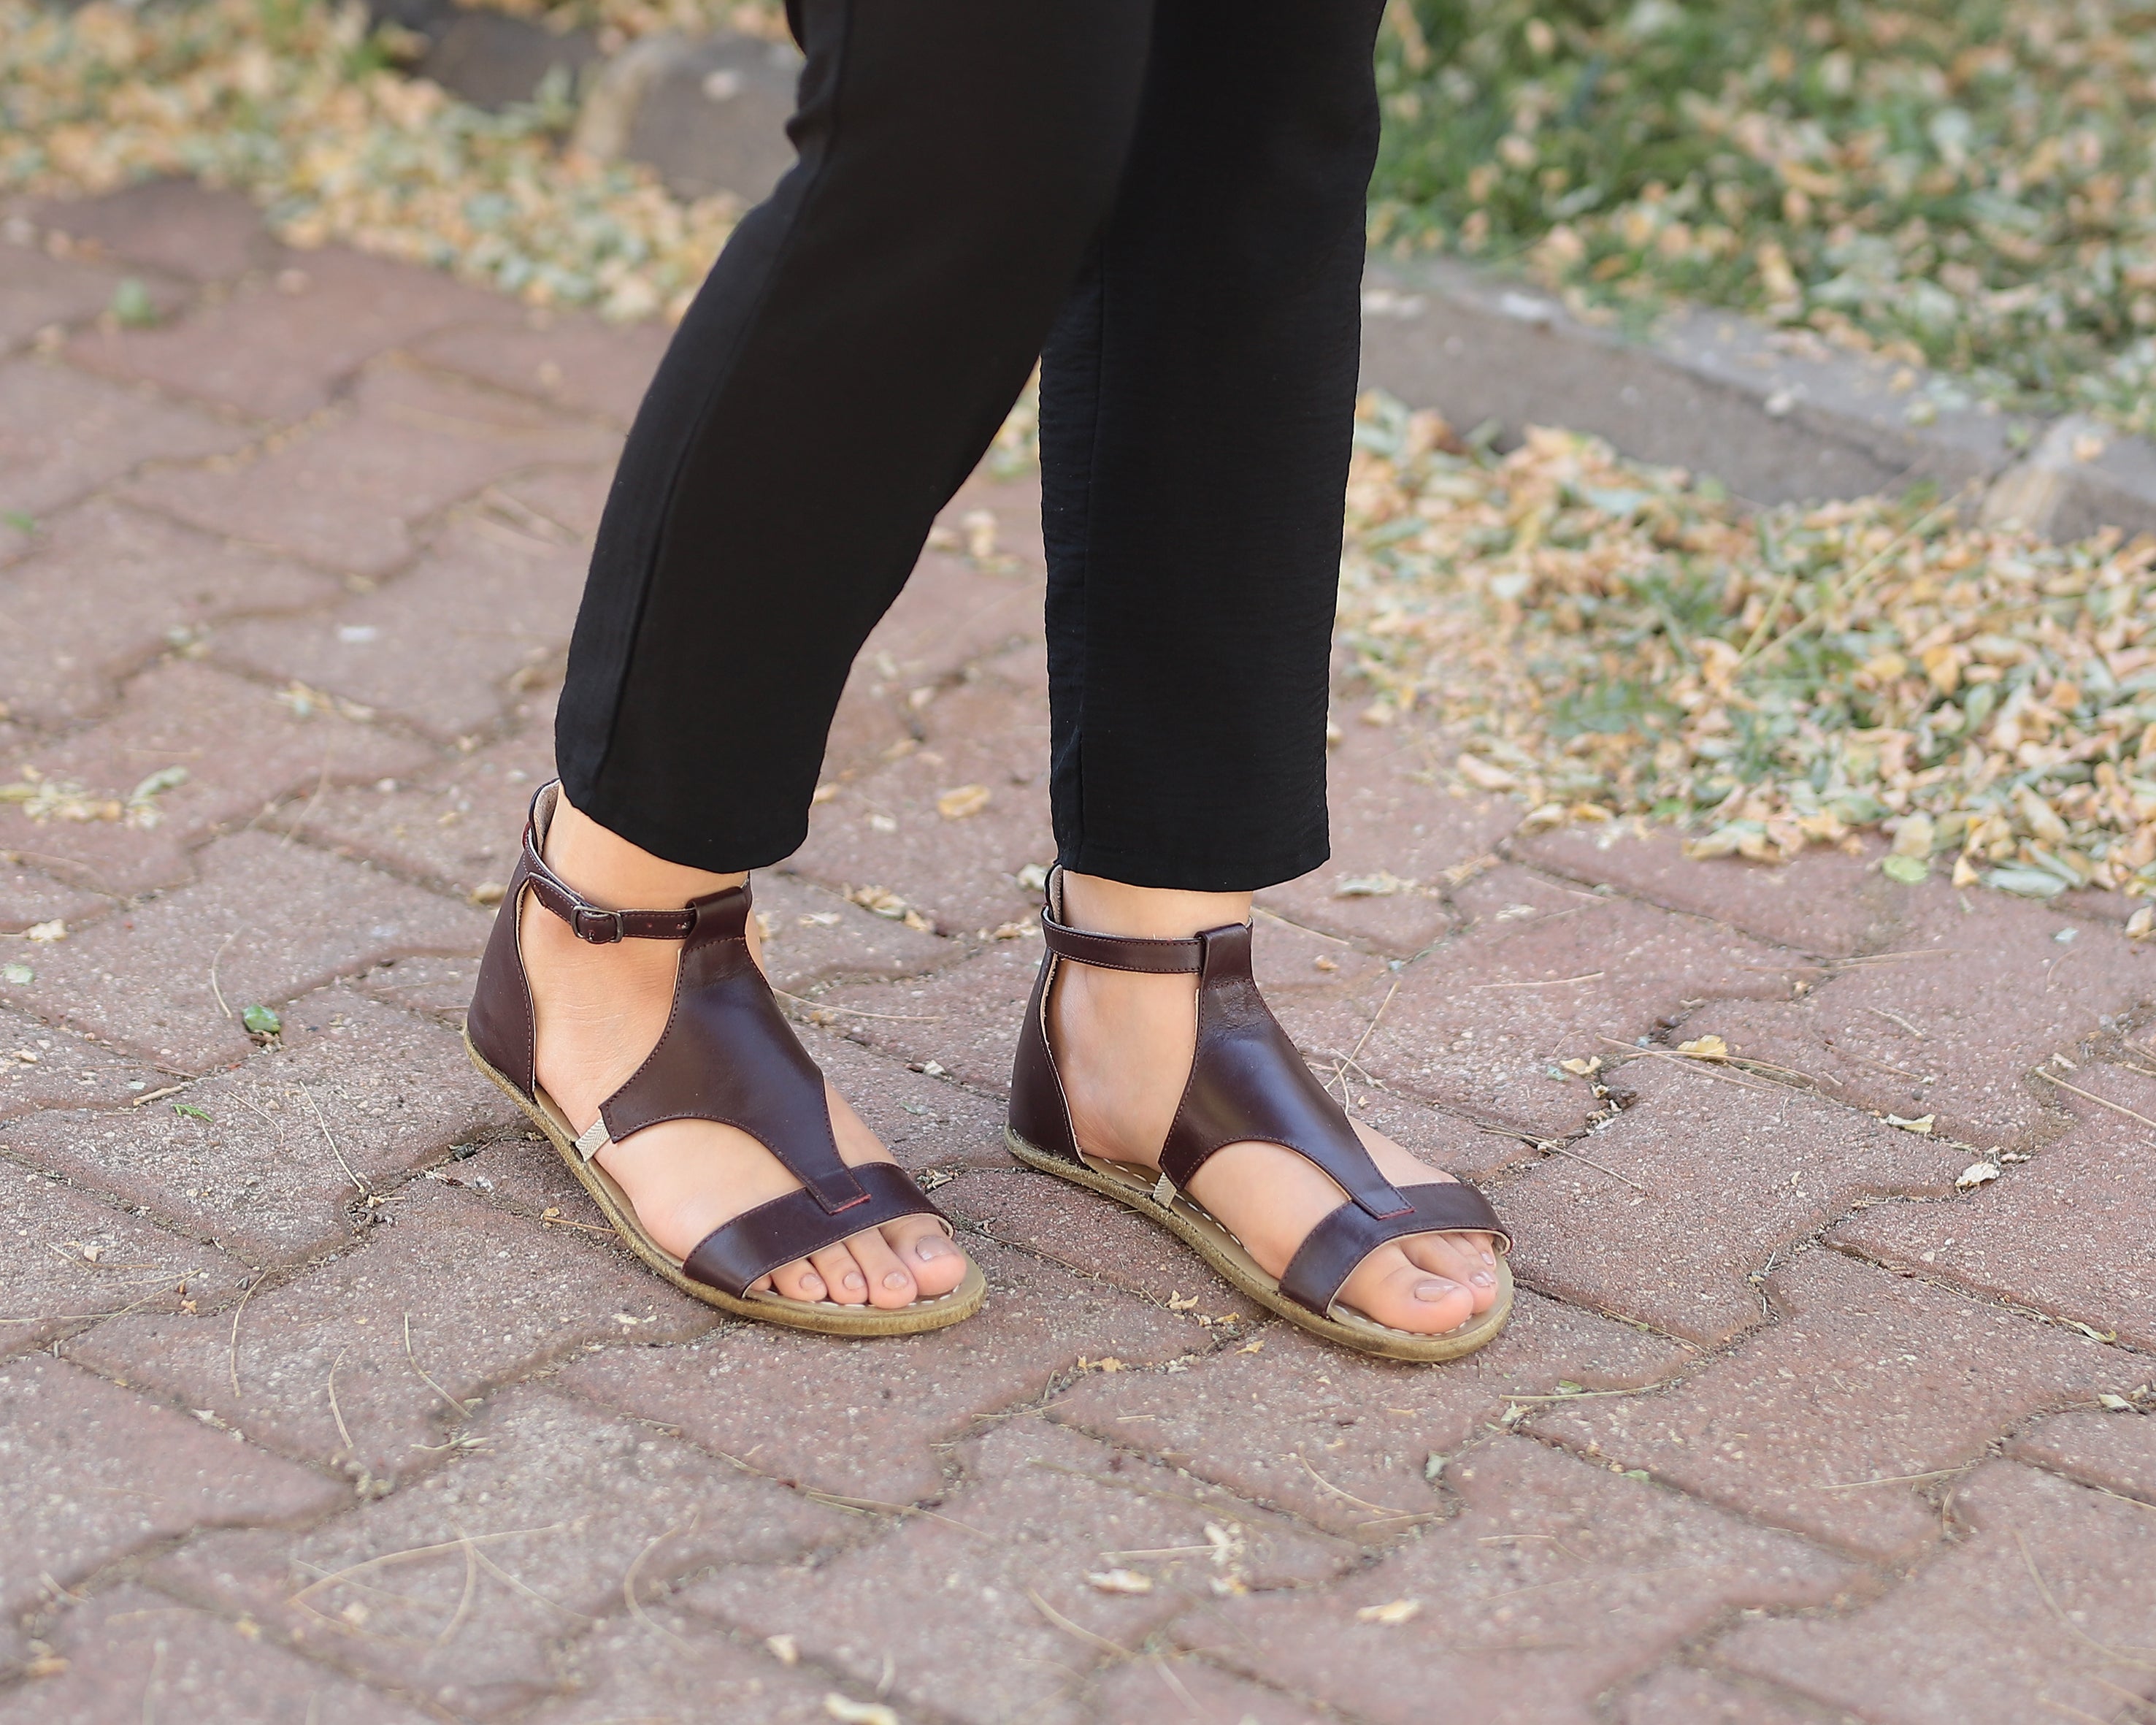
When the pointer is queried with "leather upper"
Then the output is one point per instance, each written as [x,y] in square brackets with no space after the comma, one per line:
[1247,1083]
[727,1054]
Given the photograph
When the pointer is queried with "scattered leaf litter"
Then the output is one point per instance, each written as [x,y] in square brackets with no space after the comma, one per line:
[1622,642]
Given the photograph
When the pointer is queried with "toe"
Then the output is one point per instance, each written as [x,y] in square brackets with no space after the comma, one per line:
[841,1274]
[1391,1288]
[937,1264]
[798,1280]
[889,1282]
[1453,1257]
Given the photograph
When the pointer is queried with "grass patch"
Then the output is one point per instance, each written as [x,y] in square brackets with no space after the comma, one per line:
[1963,183]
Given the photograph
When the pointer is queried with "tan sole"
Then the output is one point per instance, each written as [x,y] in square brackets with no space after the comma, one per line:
[825,1317]
[1134,1187]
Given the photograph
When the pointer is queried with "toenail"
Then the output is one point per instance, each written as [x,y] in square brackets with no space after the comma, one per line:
[928,1251]
[811,1284]
[1483,1279]
[1489,1257]
[854,1278]
[1436,1289]
[895,1278]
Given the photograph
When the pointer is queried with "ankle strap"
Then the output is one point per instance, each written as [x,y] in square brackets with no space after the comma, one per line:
[1122,952]
[587,921]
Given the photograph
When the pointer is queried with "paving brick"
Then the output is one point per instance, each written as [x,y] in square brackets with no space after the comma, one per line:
[1041,1510]
[1555,1581]
[1701,1185]
[1161,1691]
[458,827]
[1989,991]
[37,290]
[89,1472]
[1998,1628]
[133,1653]
[569,359]
[257,1176]
[883,829]
[2068,1232]
[1091,1236]
[109,587]
[2114,1451]
[63,434]
[559,1502]
[563,502]
[1833,1421]
[241,748]
[815,938]
[278,348]
[180,227]
[439,987]
[27,899]
[865,1419]
[1545,974]
[1343,1440]
[277,918]
[1825,901]
[43,1068]
[446,644]
[965,1018]
[1394,824]
[73,1261]
[1678,1696]
[667,1668]
[489,1297]
[346,490]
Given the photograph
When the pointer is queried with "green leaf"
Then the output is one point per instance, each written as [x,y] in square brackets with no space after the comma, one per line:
[20,520]
[189,1109]
[2027,883]
[131,304]
[1907,870]
[18,974]
[261,1021]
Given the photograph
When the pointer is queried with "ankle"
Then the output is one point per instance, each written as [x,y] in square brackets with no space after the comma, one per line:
[617,875]
[1101,906]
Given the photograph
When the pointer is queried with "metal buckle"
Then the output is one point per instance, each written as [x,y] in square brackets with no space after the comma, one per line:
[584,917]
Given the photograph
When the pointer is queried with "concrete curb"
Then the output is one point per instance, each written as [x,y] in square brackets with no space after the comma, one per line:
[1777,415]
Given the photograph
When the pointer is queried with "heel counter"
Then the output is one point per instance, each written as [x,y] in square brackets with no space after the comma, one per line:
[498,1022]
[1037,1112]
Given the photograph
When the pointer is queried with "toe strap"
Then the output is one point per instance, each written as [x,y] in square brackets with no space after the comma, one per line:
[747,1248]
[1330,1251]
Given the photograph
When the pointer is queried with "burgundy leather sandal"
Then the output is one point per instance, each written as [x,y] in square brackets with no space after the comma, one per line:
[727,1054]
[1247,1082]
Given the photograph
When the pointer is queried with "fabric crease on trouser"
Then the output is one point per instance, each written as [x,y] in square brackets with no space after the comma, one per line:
[1162,202]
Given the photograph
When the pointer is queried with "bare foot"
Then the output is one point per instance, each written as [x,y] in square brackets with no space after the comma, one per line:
[1123,1044]
[599,1011]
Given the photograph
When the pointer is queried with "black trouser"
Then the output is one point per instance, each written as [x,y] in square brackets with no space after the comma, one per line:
[1162,198]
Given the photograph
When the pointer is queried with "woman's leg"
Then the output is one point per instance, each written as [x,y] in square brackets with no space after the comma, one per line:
[1197,399]
[839,375]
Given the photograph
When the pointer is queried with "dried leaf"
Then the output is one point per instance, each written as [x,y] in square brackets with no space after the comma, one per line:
[1921,1123]
[1120,1581]
[858,1713]
[1976,1174]
[964,802]
[1705,1047]
[1398,1611]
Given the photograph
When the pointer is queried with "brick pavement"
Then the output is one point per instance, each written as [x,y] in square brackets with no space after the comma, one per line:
[323,1395]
